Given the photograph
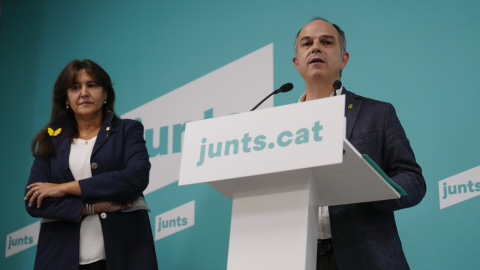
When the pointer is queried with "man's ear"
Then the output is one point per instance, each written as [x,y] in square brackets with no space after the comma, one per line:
[345,58]
[295,63]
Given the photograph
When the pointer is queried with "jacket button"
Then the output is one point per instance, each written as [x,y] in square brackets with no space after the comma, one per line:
[103,215]
[94,165]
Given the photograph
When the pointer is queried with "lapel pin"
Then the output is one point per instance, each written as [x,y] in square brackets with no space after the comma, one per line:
[52,132]
[350,106]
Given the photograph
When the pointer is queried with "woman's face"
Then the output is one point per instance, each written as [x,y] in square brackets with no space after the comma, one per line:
[85,97]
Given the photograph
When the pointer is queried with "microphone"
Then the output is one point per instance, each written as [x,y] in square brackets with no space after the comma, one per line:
[336,85]
[283,89]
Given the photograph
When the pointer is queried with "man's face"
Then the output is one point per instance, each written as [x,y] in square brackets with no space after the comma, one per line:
[318,53]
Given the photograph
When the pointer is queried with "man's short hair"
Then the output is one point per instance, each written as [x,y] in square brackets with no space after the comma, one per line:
[341,36]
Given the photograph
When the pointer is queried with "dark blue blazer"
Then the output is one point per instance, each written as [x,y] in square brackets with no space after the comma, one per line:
[120,172]
[364,235]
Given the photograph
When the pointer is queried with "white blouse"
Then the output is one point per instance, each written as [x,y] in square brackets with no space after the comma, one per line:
[92,247]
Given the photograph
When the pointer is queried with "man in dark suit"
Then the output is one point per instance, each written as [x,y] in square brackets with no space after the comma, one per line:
[362,235]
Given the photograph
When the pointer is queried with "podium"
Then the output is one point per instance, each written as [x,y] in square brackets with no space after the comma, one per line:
[278,165]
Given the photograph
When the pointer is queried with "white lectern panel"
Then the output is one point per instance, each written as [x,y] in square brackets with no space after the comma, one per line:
[289,137]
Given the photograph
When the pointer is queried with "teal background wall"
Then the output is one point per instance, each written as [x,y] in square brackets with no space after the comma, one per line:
[422,56]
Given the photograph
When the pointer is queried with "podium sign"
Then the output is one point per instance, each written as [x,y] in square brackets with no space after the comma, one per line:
[277,166]
[290,137]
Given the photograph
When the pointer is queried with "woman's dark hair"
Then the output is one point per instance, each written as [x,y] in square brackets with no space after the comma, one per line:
[65,80]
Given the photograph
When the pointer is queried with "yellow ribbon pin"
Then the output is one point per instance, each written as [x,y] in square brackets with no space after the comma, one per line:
[51,132]
[350,106]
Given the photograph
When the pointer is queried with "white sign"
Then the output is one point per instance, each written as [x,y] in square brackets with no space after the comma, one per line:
[175,220]
[459,188]
[278,139]
[22,239]
[233,88]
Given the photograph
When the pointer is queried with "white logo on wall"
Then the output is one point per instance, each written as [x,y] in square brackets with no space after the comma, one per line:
[22,239]
[459,188]
[233,88]
[175,220]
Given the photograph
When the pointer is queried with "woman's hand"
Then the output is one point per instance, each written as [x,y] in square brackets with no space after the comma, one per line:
[39,191]
[106,206]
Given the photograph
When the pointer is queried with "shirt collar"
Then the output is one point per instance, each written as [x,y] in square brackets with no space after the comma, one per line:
[304,96]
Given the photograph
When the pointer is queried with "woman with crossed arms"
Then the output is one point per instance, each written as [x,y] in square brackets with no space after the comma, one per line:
[87,179]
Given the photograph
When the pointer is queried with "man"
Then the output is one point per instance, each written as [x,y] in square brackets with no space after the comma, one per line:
[362,235]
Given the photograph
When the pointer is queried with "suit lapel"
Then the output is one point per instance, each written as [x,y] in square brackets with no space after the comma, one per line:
[352,107]
[62,146]
[104,132]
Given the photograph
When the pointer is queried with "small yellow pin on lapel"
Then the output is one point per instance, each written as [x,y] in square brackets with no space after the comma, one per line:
[51,132]
[350,106]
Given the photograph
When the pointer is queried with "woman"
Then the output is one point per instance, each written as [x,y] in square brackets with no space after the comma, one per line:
[87,179]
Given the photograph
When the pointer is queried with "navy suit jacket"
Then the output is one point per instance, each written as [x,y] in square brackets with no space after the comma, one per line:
[364,235]
[120,172]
